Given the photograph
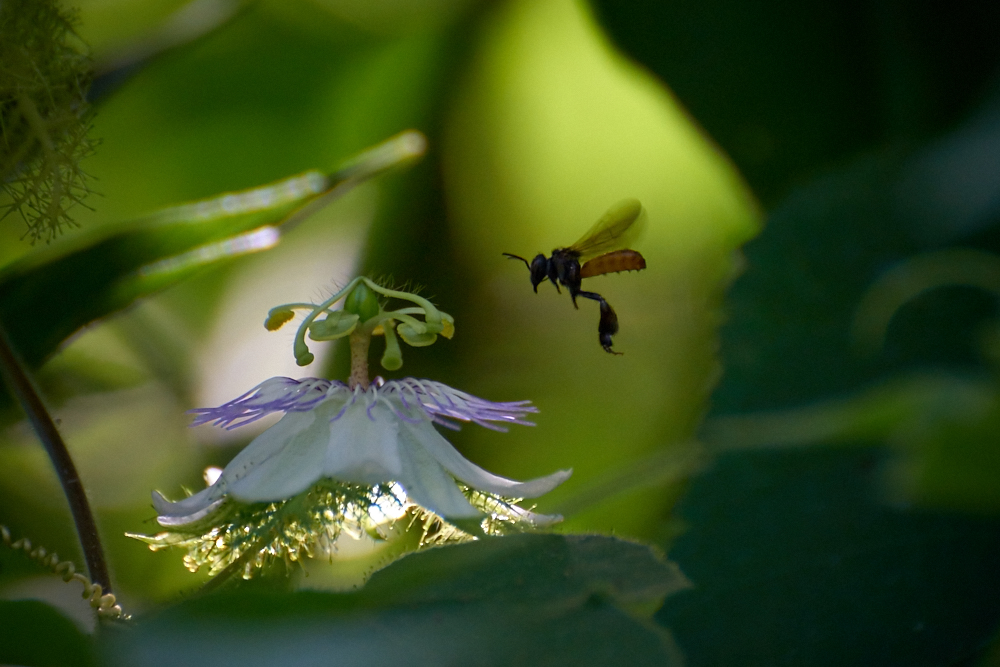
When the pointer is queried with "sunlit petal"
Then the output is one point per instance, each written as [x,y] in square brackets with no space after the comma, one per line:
[281,462]
[428,485]
[362,445]
[476,477]
[190,509]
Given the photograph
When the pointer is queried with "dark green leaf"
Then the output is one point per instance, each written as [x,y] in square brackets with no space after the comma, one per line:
[797,561]
[798,556]
[786,88]
[537,568]
[524,600]
[34,634]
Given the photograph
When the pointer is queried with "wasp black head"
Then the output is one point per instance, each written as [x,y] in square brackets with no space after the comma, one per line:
[539,267]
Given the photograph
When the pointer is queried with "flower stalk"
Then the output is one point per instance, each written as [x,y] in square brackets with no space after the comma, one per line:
[360,342]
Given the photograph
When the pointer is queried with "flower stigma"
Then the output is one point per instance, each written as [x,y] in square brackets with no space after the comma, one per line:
[356,458]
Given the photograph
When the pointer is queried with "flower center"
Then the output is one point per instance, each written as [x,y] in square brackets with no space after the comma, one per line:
[365,313]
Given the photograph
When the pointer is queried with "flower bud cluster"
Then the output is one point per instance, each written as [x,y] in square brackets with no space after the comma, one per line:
[365,314]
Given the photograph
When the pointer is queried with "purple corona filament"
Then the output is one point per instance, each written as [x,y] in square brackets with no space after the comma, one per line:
[438,402]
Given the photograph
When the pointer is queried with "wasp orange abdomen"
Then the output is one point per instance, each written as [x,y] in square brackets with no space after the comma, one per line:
[613,262]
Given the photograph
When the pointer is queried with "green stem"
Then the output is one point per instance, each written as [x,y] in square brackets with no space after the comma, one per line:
[432,314]
[37,124]
[21,386]
[300,335]
[387,316]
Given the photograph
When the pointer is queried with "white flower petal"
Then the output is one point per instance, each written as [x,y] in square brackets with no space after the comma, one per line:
[282,461]
[361,448]
[189,509]
[379,436]
[264,470]
[428,485]
[473,475]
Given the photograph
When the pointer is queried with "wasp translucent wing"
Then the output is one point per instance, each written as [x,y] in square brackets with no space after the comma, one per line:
[617,228]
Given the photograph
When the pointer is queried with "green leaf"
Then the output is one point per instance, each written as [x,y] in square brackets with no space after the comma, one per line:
[797,556]
[528,599]
[795,561]
[863,281]
[37,635]
[537,568]
[48,296]
[794,103]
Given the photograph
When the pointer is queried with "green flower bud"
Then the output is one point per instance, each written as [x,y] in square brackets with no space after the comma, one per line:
[362,302]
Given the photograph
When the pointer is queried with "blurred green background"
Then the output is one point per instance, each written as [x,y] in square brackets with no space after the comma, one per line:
[804,423]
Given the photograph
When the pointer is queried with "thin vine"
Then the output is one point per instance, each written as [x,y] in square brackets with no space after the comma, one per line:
[104,603]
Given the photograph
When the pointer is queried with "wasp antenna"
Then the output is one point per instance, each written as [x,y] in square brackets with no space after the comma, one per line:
[510,256]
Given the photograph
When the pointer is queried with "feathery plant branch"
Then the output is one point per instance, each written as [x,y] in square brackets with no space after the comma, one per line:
[44,116]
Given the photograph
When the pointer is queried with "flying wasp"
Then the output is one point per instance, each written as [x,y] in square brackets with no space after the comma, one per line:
[602,250]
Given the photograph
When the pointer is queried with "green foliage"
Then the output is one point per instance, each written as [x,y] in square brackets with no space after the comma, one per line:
[44,116]
[48,296]
[36,635]
[528,599]
[541,569]
[812,567]
[243,539]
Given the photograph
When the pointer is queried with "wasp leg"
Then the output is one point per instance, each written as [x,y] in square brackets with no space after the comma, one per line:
[555,281]
[607,327]
[589,295]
